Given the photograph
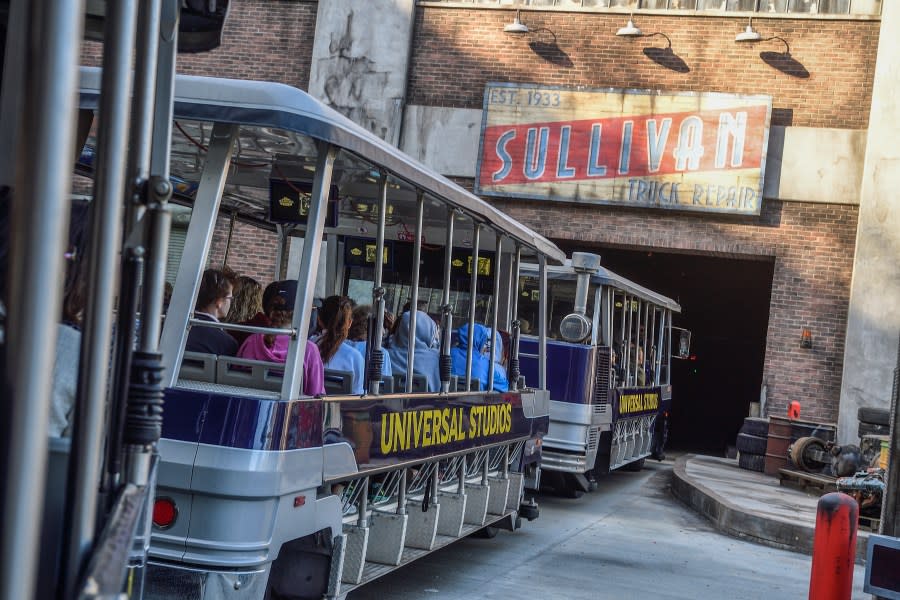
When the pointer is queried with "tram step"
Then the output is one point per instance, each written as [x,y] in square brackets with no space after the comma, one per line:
[354,553]
[499,491]
[387,537]
[422,526]
[476,504]
[452,515]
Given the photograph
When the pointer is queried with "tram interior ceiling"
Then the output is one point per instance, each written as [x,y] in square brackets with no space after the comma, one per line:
[725,304]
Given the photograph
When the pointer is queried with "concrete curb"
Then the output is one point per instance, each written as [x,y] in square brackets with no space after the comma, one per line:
[732,520]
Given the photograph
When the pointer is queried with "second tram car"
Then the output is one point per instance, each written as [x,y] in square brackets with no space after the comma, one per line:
[608,369]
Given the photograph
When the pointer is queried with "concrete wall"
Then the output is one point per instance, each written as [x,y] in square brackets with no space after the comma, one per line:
[807,164]
[874,313]
[360,60]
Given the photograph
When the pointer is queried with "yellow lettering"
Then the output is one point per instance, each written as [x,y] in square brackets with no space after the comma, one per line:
[385,435]
[426,430]
[445,425]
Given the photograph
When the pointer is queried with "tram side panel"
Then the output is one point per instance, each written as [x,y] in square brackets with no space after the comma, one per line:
[593,427]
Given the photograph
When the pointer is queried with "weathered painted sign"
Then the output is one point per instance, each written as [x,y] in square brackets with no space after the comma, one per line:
[678,151]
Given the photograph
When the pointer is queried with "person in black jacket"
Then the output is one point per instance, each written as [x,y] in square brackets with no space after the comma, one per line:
[213,302]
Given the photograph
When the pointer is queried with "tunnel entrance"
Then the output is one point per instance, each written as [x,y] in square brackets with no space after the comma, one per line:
[725,305]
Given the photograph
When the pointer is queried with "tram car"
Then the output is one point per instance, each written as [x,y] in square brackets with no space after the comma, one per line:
[608,359]
[265,487]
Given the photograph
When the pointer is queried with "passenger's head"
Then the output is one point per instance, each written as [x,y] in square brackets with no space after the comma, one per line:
[335,318]
[359,328]
[247,300]
[278,302]
[427,333]
[215,295]
[479,337]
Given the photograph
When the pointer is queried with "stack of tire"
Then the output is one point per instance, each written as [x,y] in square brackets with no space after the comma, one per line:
[873,421]
[751,444]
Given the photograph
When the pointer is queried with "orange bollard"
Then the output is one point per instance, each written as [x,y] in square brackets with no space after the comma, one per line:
[794,410]
[834,548]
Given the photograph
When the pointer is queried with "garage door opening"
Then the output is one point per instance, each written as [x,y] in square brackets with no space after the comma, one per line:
[725,304]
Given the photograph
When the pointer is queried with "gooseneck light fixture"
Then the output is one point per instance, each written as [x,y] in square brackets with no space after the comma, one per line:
[749,34]
[630,29]
[516,26]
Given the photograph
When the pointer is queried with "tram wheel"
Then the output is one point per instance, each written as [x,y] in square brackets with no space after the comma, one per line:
[634,466]
[489,532]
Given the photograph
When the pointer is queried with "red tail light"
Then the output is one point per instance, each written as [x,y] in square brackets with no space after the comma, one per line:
[164,513]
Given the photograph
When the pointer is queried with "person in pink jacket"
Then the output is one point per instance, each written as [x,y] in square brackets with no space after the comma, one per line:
[274,348]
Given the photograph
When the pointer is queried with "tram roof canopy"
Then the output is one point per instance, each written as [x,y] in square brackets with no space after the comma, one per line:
[265,109]
[604,276]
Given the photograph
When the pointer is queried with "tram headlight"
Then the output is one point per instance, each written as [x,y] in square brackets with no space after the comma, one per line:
[164,513]
[574,327]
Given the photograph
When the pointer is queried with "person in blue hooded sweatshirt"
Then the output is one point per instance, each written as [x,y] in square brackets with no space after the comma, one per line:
[480,357]
[425,352]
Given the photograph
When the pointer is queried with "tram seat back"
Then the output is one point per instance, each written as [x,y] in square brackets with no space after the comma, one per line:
[338,383]
[198,366]
[244,372]
[387,385]
[420,383]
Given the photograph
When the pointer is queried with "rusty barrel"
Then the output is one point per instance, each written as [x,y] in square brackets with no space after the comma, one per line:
[783,432]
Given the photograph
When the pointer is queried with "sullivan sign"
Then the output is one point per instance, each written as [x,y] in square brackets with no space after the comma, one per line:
[680,151]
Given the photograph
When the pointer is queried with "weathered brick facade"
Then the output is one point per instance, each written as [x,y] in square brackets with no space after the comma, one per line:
[457,51]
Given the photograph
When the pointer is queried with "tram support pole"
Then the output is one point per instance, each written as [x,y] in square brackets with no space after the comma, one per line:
[834,547]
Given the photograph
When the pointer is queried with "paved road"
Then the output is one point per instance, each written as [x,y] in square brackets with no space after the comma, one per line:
[630,539]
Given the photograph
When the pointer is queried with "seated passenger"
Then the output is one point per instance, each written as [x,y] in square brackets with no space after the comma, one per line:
[246,307]
[501,381]
[213,302]
[359,334]
[335,318]
[279,306]
[68,349]
[480,359]
[425,353]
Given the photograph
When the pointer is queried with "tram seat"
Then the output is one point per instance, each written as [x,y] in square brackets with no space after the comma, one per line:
[338,383]
[244,372]
[387,385]
[420,384]
[198,366]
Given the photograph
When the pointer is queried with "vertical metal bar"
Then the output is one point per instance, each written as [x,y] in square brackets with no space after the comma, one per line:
[309,267]
[504,468]
[473,292]
[644,340]
[446,309]
[332,273]
[378,284]
[495,335]
[511,292]
[414,297]
[660,349]
[160,221]
[461,484]
[196,247]
[106,228]
[516,332]
[542,308]
[596,333]
[13,93]
[629,321]
[39,211]
[363,504]
[401,493]
[280,251]
[231,221]
[146,52]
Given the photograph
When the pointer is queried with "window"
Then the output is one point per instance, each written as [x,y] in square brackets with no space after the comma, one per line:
[810,7]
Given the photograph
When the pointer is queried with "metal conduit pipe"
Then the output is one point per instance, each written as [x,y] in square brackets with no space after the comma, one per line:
[40,220]
[106,226]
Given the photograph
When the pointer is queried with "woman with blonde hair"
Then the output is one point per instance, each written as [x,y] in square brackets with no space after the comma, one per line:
[246,307]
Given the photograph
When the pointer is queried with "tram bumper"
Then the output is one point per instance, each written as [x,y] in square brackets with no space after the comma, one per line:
[178,582]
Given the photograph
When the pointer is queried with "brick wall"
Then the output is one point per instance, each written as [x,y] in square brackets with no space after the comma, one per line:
[252,252]
[813,248]
[456,51]
[267,40]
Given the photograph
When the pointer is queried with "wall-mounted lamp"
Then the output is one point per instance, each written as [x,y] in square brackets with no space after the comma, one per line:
[806,339]
[630,29]
[516,26]
[749,34]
